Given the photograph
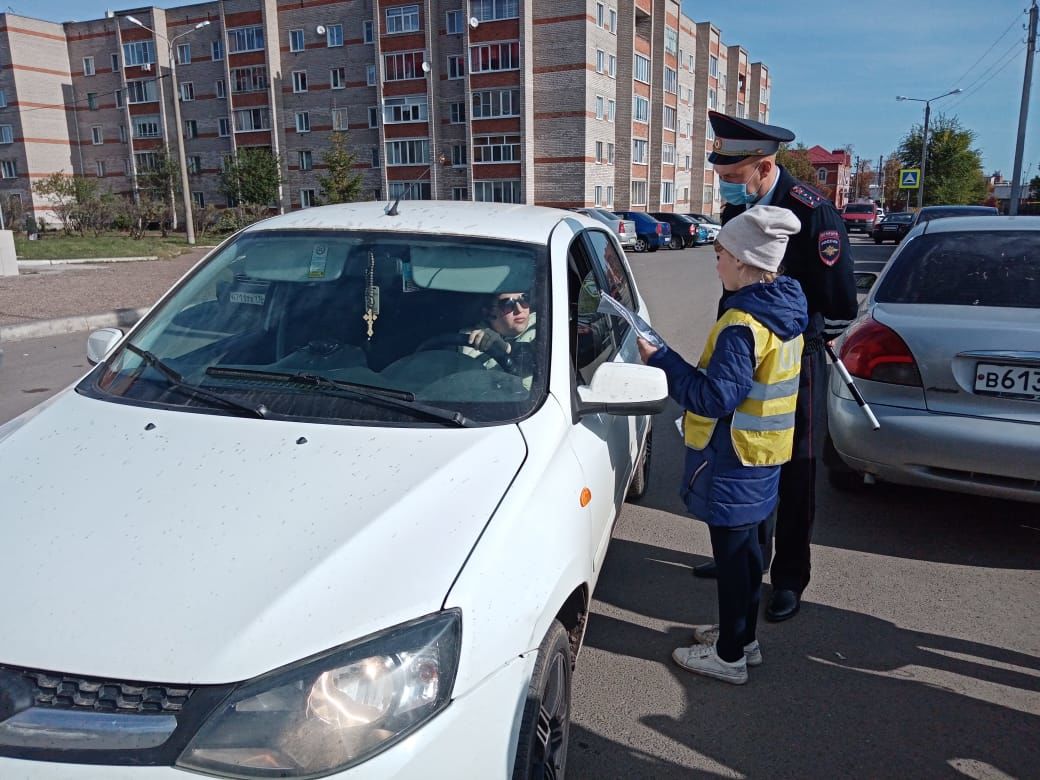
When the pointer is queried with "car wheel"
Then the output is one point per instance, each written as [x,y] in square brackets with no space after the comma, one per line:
[653,248]
[640,245]
[675,243]
[542,749]
[637,487]
[839,475]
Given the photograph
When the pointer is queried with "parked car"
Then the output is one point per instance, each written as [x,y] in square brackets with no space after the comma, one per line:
[893,227]
[859,216]
[323,538]
[711,227]
[929,213]
[684,229]
[651,234]
[946,350]
[624,229]
[706,218]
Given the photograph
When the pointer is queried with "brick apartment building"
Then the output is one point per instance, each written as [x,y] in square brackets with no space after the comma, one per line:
[554,102]
[833,173]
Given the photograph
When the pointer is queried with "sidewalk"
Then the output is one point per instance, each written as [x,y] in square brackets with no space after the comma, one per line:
[48,299]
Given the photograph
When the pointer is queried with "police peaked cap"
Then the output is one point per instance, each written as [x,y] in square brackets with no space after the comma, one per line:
[736,139]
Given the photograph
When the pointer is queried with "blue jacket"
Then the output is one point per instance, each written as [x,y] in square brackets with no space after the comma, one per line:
[717,487]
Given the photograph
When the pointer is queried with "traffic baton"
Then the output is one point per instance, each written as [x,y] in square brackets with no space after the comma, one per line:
[847,378]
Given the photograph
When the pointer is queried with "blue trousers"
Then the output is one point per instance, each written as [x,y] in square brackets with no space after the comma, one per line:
[738,556]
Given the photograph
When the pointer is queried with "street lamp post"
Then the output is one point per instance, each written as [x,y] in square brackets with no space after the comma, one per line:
[924,136]
[189,221]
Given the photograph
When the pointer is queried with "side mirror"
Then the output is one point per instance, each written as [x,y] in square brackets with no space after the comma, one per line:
[100,343]
[625,389]
[864,281]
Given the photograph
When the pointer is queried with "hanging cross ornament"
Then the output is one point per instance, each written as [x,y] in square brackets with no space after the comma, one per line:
[371,295]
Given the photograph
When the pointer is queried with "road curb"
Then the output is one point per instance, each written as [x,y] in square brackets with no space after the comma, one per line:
[119,318]
[83,261]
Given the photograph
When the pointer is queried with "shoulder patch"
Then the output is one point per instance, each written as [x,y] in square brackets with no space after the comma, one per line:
[829,246]
[804,194]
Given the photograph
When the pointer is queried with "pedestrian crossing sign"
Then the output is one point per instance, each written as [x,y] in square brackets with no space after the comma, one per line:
[909,178]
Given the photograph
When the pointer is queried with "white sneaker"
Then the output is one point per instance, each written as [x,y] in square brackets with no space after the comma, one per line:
[702,659]
[709,635]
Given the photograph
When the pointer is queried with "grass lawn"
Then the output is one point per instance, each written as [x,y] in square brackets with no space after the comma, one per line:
[55,246]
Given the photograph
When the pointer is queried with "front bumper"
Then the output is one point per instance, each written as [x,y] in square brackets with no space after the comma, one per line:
[985,457]
[862,227]
[474,737]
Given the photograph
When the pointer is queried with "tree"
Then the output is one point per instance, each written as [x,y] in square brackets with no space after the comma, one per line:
[954,170]
[343,183]
[861,179]
[1034,187]
[60,189]
[252,177]
[796,162]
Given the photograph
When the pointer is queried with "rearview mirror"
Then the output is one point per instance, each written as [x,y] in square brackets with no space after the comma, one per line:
[100,343]
[624,389]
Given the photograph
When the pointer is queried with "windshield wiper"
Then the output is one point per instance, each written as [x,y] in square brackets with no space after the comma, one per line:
[177,381]
[396,399]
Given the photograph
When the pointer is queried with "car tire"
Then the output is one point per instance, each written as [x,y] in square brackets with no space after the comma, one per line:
[641,477]
[839,475]
[653,248]
[640,245]
[675,243]
[541,751]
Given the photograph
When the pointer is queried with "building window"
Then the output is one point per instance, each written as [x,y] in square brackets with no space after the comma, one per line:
[7,134]
[458,155]
[370,75]
[611,110]
[183,53]
[299,81]
[409,190]
[459,193]
[488,10]
[601,15]
[458,113]
[610,195]
[709,132]
[713,98]
[122,134]
[8,169]
[194,164]
[599,107]
[246,39]
[671,40]
[187,91]
[373,116]
[216,49]
[668,154]
[142,91]
[740,110]
[601,60]
[640,109]
[639,146]
[147,161]
[303,121]
[334,35]
[88,66]
[191,128]
[597,195]
[456,66]
[612,66]
[339,119]
[307,199]
[114,57]
[296,42]
[253,79]
[599,151]
[147,127]
[99,168]
[92,101]
[489,58]
[671,80]
[139,53]
[667,192]
[669,118]
[198,199]
[502,191]
[496,148]
[613,26]
[221,88]
[375,156]
[337,78]
[642,69]
[821,175]
[713,66]
[610,154]
[405,109]
[408,152]
[454,22]
[639,193]
[305,159]
[397,67]
[367,34]
[495,103]
[402,18]
[709,193]
[247,119]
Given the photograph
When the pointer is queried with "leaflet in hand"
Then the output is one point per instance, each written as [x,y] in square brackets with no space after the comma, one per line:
[609,305]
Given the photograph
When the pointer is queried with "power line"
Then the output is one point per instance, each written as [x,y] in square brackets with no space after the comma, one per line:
[1007,61]
[1017,17]
[1014,48]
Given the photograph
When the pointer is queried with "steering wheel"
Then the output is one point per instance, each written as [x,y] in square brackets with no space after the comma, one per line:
[448,340]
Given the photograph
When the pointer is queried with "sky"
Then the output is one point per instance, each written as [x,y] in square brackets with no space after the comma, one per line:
[838,66]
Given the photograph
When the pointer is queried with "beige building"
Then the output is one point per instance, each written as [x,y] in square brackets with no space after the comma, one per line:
[563,102]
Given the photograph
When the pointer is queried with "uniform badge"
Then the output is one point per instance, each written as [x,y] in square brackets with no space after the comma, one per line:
[829,247]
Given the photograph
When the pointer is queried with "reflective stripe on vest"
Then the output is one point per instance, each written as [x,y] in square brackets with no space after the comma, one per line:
[762,428]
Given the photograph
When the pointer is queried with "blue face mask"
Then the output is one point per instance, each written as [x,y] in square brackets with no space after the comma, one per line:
[736,193]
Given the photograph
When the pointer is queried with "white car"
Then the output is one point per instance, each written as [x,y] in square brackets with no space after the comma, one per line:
[293,525]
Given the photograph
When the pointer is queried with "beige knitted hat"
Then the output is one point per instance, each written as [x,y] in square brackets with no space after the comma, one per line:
[759,235]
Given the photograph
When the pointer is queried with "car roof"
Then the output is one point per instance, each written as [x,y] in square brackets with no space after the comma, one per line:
[981,222]
[509,221]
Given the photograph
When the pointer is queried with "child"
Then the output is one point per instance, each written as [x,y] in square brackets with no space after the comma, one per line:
[739,424]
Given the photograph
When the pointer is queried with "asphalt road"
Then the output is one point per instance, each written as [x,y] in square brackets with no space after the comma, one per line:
[916,653]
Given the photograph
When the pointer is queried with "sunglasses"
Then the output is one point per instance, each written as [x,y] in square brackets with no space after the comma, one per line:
[513,304]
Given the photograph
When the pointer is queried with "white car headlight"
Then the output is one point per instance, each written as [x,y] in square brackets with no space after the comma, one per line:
[335,710]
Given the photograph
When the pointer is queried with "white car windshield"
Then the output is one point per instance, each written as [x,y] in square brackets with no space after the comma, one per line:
[349,326]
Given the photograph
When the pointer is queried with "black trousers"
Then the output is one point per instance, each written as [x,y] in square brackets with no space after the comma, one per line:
[796,510]
[738,556]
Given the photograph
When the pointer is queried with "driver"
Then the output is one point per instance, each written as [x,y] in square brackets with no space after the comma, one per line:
[508,333]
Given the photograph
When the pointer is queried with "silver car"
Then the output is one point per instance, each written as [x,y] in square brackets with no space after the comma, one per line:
[946,351]
[624,229]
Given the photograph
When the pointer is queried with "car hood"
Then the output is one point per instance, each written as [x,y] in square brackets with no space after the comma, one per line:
[211,549]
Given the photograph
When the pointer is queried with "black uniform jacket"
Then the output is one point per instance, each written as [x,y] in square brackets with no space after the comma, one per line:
[818,257]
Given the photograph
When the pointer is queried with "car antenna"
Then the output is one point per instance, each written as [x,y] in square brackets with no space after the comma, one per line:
[391,211]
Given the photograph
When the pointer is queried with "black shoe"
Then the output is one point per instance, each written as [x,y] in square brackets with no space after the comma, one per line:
[783,605]
[707,571]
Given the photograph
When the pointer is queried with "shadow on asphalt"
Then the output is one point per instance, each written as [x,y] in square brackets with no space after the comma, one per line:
[846,694]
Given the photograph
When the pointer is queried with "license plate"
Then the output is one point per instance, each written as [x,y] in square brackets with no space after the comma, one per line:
[1008,381]
[890,227]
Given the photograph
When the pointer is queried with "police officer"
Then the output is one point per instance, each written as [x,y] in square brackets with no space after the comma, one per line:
[818,256]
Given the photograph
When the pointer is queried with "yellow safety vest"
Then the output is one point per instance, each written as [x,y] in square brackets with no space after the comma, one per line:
[763,424]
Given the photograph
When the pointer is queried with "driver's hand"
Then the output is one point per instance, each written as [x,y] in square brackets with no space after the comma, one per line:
[487,340]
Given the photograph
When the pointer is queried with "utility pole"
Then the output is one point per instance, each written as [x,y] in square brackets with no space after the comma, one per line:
[855,184]
[881,178]
[1023,113]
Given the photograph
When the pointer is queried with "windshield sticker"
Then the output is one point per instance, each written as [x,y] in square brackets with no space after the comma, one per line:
[319,258]
[253,299]
[407,280]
